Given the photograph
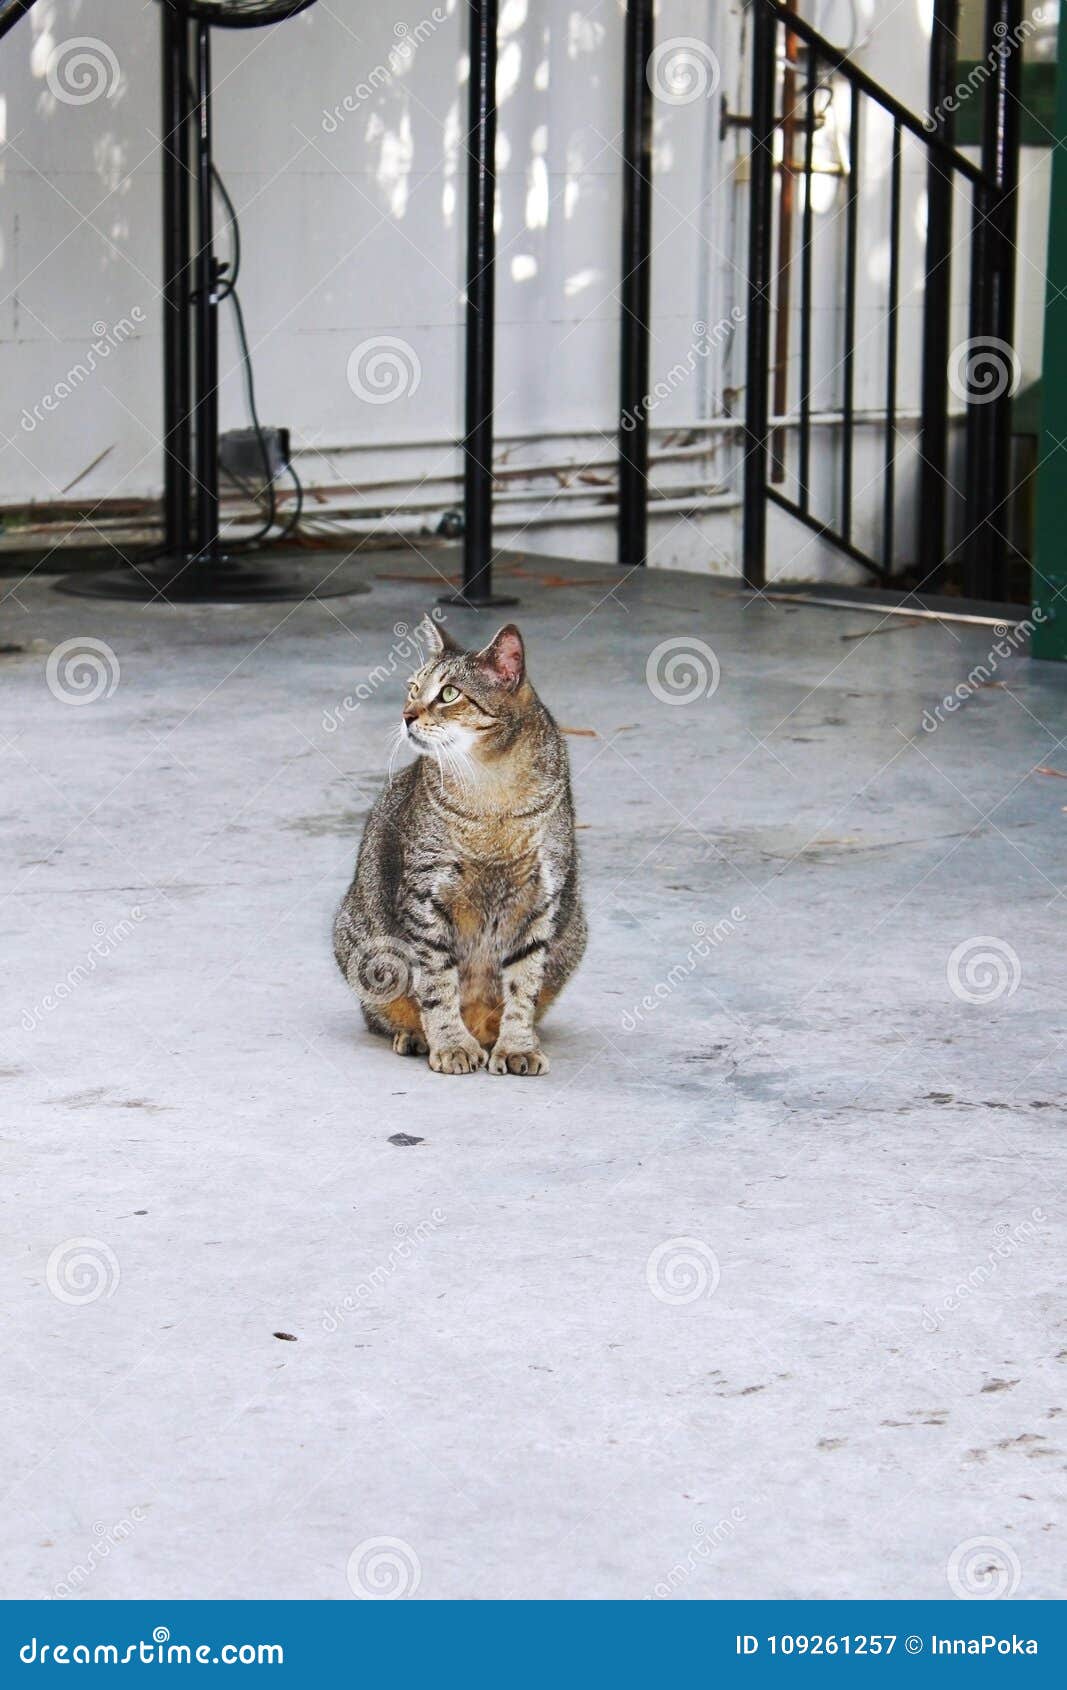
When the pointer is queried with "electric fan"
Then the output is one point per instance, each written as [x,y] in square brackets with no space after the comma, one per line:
[195,567]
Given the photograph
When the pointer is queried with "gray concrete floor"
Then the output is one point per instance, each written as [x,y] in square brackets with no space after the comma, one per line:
[758,1293]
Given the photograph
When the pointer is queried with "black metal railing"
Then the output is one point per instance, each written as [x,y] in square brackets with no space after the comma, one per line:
[978,546]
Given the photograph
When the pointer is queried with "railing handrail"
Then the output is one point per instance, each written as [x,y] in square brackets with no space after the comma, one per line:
[840,61]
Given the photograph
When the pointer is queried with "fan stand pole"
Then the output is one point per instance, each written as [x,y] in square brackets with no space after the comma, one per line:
[206,310]
[177,366]
[476,592]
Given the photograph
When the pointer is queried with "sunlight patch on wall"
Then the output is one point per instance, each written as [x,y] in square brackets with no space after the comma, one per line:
[584,35]
[509,66]
[450,163]
[109,157]
[537,195]
[581,280]
[395,154]
[512,18]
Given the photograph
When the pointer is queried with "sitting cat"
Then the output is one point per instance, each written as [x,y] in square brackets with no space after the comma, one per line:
[463,921]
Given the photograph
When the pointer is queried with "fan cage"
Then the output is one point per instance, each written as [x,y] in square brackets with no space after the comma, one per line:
[238,14]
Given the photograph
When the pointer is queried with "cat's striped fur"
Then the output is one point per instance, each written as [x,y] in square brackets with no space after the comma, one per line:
[464,920]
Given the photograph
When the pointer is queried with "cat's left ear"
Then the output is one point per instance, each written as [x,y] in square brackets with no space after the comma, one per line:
[505,658]
[437,640]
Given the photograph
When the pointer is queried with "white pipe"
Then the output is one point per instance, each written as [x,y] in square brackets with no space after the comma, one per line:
[509,471]
[712,425]
[397,524]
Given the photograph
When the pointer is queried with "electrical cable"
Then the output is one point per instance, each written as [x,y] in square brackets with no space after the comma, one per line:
[250,391]
[235,235]
[228,291]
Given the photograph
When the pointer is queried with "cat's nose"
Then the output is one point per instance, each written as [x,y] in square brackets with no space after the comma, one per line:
[411,712]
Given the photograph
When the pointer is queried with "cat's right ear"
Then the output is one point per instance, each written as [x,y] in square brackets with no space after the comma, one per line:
[437,640]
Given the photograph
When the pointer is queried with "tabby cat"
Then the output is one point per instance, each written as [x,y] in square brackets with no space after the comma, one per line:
[463,920]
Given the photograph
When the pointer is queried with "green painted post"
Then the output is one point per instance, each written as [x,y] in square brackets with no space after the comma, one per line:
[1049,638]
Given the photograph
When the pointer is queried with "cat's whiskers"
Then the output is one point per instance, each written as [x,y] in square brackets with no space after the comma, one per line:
[397,740]
[458,764]
[462,766]
[436,749]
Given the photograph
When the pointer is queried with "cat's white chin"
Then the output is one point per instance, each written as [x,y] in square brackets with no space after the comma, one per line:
[457,742]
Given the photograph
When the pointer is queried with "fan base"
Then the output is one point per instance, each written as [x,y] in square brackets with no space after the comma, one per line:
[222,581]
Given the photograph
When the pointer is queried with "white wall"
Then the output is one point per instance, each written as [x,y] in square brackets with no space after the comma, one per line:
[352,228]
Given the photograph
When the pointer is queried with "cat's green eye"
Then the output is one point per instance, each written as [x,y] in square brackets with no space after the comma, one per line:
[449,695]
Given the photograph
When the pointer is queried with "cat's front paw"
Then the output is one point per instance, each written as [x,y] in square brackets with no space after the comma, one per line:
[507,1059]
[462,1058]
[409,1044]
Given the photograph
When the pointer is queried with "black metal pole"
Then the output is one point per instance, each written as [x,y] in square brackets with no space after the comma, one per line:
[808,243]
[933,476]
[988,368]
[477,589]
[889,507]
[207,321]
[1005,99]
[760,207]
[973,548]
[848,382]
[636,290]
[177,434]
